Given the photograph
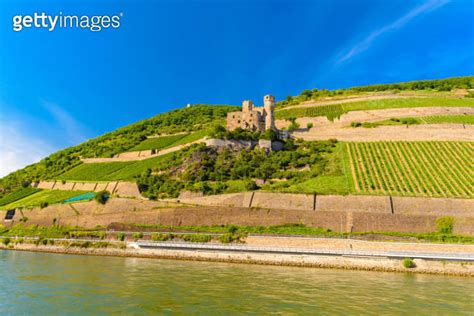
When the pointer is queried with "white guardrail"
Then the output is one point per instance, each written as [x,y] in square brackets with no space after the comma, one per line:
[305,251]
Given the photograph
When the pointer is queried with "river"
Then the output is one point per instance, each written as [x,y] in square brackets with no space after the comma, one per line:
[51,284]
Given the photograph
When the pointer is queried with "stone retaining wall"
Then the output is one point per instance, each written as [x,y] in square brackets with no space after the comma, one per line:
[137,211]
[123,189]
[337,203]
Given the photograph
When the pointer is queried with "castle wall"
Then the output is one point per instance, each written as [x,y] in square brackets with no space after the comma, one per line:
[245,120]
[252,117]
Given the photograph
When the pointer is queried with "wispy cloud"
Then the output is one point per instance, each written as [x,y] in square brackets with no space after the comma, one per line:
[397,24]
[18,149]
[72,129]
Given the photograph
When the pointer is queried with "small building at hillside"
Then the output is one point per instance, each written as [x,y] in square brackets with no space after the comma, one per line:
[253,118]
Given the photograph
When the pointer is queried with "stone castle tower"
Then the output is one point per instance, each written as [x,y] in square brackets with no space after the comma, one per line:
[268,108]
[252,117]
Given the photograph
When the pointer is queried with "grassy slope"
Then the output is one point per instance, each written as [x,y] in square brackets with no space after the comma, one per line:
[49,196]
[336,178]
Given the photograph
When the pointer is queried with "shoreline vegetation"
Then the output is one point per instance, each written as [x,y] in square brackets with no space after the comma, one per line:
[100,248]
[228,233]
[122,242]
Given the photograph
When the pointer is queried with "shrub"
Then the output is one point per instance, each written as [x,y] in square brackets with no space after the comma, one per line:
[161,237]
[137,236]
[85,244]
[269,134]
[233,229]
[6,241]
[293,126]
[409,121]
[44,204]
[197,238]
[121,236]
[445,225]
[408,263]
[309,125]
[251,185]
[102,197]
[356,124]
[227,238]
[102,235]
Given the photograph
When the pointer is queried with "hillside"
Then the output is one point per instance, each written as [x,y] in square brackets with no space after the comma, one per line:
[431,158]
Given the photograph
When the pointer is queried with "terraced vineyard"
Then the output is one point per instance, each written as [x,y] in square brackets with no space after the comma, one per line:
[459,119]
[48,196]
[109,171]
[330,111]
[438,169]
[18,195]
[336,110]
[158,142]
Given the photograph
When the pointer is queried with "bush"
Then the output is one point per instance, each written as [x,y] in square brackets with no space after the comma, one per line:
[356,124]
[408,263]
[197,238]
[233,229]
[44,204]
[137,236]
[85,244]
[445,225]
[121,236]
[102,197]
[251,185]
[102,235]
[293,126]
[6,241]
[161,237]
[309,125]
[269,134]
[409,121]
[228,238]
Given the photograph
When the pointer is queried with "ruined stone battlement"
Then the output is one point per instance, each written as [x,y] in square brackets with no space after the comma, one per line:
[252,117]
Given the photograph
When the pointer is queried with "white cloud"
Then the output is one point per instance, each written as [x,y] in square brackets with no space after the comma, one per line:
[397,24]
[72,129]
[17,149]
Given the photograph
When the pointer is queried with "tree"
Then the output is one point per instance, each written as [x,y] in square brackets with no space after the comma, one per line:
[102,197]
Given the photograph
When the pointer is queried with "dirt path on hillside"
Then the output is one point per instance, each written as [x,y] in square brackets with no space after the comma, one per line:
[429,132]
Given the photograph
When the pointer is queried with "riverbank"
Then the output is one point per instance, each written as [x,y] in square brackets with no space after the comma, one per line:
[366,263]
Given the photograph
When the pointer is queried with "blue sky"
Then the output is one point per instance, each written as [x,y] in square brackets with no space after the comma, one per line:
[63,87]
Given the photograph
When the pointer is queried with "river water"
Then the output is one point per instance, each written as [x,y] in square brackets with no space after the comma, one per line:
[51,284]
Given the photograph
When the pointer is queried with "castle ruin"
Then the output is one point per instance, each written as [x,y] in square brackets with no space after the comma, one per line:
[252,117]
